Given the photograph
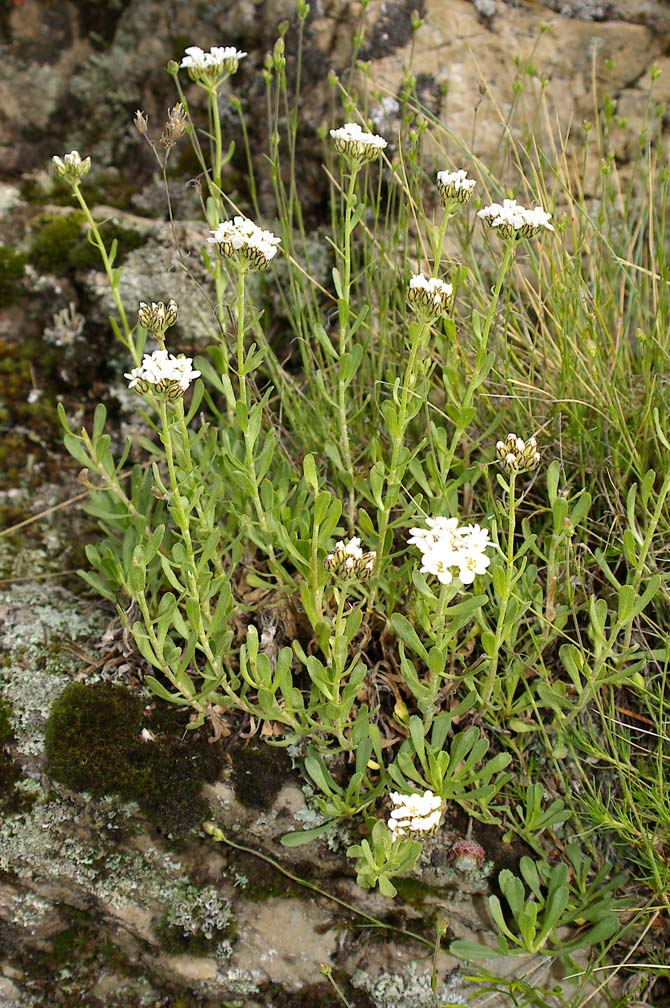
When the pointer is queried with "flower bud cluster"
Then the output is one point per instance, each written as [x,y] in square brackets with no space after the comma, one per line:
[157,317]
[357,145]
[430,297]
[243,239]
[516,455]
[162,373]
[348,561]
[70,167]
[208,68]
[455,186]
[512,220]
[451,549]
[415,813]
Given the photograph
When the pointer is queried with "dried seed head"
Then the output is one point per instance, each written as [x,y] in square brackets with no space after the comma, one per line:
[141,123]
[175,126]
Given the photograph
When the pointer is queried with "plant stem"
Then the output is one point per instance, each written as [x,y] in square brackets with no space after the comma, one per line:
[418,333]
[112,276]
[220,837]
[344,306]
[506,595]
[508,256]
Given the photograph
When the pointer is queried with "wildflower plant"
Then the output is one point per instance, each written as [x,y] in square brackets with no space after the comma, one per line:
[343,463]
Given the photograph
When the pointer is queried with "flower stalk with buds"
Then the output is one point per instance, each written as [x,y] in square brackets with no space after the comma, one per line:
[358,148]
[157,317]
[71,168]
[516,457]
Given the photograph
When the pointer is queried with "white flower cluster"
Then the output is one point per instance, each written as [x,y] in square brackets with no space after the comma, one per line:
[352,141]
[414,813]
[448,547]
[512,220]
[241,236]
[71,167]
[432,297]
[348,560]
[455,185]
[517,455]
[162,372]
[207,68]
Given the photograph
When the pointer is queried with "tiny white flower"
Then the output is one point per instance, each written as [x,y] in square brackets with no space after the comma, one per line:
[353,141]
[430,296]
[255,246]
[455,185]
[208,68]
[512,220]
[415,813]
[162,372]
[449,549]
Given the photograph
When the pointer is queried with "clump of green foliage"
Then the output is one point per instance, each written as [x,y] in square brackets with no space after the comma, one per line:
[93,743]
[12,267]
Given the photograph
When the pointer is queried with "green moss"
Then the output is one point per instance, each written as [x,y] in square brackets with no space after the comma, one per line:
[60,243]
[12,266]
[10,799]
[5,720]
[93,743]
[258,775]
[412,890]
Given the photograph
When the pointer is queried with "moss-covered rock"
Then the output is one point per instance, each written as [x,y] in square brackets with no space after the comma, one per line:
[258,775]
[94,743]
[60,243]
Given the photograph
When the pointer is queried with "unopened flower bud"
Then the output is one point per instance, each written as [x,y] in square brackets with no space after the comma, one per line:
[70,167]
[516,455]
[157,317]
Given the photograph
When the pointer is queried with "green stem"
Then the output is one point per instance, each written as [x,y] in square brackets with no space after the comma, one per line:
[508,256]
[506,595]
[128,341]
[220,837]
[396,470]
[344,313]
[239,313]
[183,523]
[218,144]
[438,237]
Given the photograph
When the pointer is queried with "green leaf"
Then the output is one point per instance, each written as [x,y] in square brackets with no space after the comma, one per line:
[301,837]
[160,691]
